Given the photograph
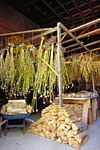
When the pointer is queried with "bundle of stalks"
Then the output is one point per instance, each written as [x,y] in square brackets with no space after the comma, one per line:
[25,67]
[46,71]
[17,70]
[84,67]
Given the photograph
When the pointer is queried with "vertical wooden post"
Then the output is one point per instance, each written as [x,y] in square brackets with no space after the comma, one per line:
[59,62]
[93,85]
[87,112]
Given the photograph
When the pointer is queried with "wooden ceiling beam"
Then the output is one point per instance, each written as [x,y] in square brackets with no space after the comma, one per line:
[51,9]
[87,11]
[91,8]
[92,11]
[65,10]
[80,13]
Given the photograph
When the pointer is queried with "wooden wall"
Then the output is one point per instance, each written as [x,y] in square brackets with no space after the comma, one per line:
[11,20]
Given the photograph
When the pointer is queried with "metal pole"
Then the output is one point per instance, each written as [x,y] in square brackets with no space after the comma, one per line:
[73,37]
[59,63]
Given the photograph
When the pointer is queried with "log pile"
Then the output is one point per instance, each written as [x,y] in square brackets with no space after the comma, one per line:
[16,107]
[62,124]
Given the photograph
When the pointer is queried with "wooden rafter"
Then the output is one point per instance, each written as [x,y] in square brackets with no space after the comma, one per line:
[51,9]
[66,11]
[92,11]
[76,6]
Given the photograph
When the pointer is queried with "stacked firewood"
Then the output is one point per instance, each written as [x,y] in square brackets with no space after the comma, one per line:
[62,124]
[46,126]
[78,134]
[16,107]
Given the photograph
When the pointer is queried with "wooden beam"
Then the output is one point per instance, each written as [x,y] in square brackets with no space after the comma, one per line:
[97,31]
[95,49]
[87,11]
[92,50]
[87,45]
[80,13]
[86,25]
[51,9]
[71,46]
[66,11]
[91,8]
[23,32]
[82,27]
[84,30]
[45,33]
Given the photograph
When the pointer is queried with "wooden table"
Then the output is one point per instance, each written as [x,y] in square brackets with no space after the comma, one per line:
[90,108]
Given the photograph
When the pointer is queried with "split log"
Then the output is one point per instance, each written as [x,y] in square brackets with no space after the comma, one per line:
[59,140]
[75,143]
[79,126]
[70,134]
[79,137]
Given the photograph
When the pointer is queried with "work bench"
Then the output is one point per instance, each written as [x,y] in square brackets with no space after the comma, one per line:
[90,107]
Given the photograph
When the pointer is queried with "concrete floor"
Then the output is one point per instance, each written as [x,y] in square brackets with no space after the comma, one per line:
[16,140]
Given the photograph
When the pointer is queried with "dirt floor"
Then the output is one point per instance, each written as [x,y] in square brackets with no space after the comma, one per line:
[16,140]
